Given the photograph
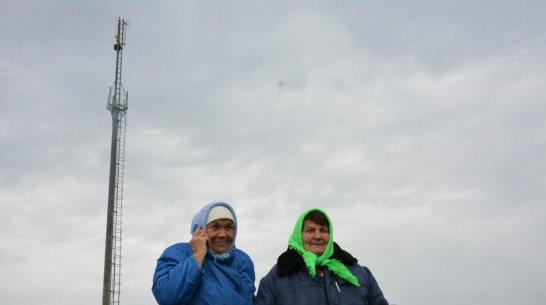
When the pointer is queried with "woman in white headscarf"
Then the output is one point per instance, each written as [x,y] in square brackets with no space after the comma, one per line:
[209,270]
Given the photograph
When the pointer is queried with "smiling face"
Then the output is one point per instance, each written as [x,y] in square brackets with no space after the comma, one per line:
[220,233]
[315,237]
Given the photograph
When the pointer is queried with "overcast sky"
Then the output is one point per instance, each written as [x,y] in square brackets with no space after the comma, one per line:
[418,127]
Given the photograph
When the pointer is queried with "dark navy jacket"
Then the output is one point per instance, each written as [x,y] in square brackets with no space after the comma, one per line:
[289,283]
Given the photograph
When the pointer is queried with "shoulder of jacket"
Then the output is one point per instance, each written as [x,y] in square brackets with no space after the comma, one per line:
[178,249]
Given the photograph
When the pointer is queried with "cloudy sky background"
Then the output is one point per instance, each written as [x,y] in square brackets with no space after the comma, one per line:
[418,127]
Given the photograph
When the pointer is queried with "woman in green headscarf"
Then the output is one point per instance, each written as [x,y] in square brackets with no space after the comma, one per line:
[316,271]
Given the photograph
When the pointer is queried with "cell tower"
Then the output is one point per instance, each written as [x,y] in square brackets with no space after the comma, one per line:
[117,105]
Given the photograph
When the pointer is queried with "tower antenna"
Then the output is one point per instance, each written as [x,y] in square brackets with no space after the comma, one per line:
[117,105]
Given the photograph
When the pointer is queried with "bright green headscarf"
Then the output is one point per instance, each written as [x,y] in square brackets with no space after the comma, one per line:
[311,259]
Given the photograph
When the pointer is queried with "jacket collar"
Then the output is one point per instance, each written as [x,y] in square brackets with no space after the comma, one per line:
[290,260]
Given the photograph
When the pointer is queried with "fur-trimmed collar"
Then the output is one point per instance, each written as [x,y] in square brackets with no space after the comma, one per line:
[290,260]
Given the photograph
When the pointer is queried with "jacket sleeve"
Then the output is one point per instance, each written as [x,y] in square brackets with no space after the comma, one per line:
[376,295]
[265,294]
[249,289]
[177,276]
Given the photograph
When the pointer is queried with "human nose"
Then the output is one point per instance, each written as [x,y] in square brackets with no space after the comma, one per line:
[222,233]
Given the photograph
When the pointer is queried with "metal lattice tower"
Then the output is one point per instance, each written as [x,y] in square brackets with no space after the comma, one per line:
[117,105]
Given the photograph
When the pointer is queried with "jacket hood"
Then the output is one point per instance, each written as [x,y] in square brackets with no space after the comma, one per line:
[200,219]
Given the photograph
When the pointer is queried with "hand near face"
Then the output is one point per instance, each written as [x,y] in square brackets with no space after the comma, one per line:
[198,244]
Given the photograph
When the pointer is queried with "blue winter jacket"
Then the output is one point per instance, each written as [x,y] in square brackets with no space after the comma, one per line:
[289,283]
[223,279]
